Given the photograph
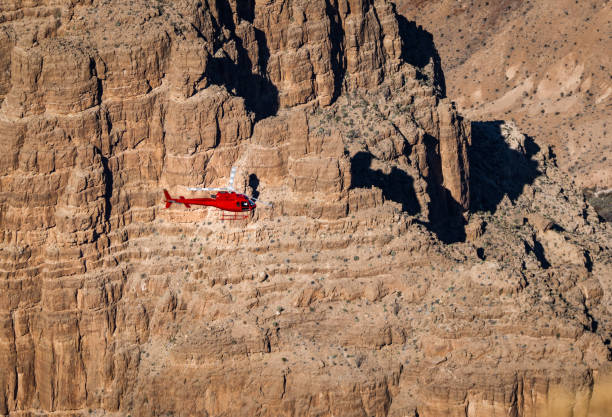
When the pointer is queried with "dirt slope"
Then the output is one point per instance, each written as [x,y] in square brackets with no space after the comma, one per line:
[544,64]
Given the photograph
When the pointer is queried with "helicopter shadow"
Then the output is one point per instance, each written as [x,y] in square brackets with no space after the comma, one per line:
[253,183]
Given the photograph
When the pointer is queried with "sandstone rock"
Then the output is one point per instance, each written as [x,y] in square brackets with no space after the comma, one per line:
[453,154]
[558,248]
[474,230]
[540,223]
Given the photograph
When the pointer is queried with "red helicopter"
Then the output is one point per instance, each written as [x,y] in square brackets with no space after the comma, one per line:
[226,199]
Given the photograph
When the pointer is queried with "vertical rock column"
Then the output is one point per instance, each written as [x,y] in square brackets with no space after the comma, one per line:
[454,139]
[5,62]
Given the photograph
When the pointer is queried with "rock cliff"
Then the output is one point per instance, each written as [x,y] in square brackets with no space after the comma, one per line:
[541,63]
[405,269]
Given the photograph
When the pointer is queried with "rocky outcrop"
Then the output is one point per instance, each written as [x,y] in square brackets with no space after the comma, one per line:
[555,87]
[109,303]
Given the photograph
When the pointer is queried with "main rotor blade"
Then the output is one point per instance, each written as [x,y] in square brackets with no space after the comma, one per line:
[206,189]
[253,199]
[231,179]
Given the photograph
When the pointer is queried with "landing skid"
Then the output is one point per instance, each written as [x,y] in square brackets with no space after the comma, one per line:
[225,216]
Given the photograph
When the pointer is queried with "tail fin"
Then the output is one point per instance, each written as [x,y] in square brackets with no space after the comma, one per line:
[168,199]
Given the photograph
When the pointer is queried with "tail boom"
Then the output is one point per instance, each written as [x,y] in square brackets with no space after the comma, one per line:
[180,200]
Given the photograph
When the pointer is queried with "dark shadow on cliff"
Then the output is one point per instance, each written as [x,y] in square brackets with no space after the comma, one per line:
[396,186]
[259,94]
[538,252]
[419,49]
[445,219]
[336,35]
[601,202]
[496,170]
[246,10]
[108,186]
[445,213]
[241,76]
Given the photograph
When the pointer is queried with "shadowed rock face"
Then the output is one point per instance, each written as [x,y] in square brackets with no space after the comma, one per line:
[602,201]
[341,300]
[502,163]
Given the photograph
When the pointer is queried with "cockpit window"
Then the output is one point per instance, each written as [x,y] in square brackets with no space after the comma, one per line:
[245,204]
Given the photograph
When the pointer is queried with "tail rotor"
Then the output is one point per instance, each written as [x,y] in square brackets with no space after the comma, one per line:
[169,200]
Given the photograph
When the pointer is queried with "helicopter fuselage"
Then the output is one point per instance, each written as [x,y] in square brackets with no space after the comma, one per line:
[223,200]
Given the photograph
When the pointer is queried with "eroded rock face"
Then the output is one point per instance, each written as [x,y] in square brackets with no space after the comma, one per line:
[109,303]
[166,98]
